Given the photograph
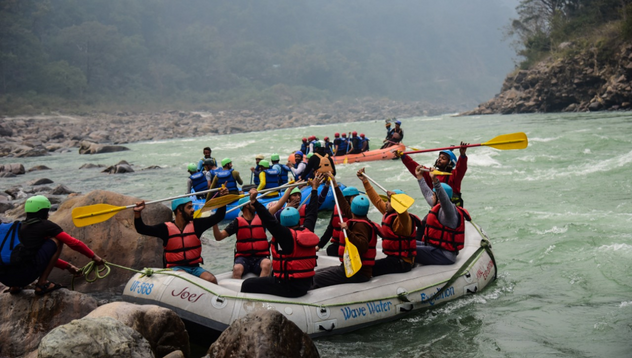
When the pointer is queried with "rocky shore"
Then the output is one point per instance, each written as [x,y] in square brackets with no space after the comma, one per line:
[30,136]
[593,79]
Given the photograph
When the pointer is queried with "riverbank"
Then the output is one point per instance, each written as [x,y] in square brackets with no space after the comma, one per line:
[28,136]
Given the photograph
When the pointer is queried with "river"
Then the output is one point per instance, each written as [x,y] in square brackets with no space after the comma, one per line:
[559,214]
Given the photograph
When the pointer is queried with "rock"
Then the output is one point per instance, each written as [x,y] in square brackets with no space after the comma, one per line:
[41,181]
[61,190]
[7,175]
[152,167]
[118,169]
[259,334]
[90,166]
[26,318]
[114,239]
[38,151]
[38,167]
[102,337]
[15,168]
[594,106]
[5,131]
[5,205]
[175,354]
[161,327]
[86,147]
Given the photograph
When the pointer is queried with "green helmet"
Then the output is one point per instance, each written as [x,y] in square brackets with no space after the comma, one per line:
[275,157]
[36,203]
[310,155]
[317,144]
[192,167]
[264,163]
[296,190]
[226,161]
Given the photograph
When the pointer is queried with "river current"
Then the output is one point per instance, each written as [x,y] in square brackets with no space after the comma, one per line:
[558,213]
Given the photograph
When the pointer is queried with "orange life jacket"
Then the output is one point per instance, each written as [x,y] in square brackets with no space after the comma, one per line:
[183,248]
[398,245]
[251,238]
[301,262]
[437,234]
[368,257]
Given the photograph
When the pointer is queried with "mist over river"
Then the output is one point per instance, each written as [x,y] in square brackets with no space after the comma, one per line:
[558,213]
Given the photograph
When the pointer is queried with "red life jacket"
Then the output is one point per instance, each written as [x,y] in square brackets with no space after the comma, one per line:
[437,234]
[251,238]
[182,248]
[398,245]
[301,262]
[337,236]
[368,257]
[301,212]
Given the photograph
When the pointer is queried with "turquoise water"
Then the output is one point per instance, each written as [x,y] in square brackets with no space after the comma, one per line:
[559,215]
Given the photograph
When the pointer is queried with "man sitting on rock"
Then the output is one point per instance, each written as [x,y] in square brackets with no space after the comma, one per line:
[181,237]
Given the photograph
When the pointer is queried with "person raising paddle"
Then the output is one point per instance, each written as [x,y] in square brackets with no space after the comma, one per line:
[181,237]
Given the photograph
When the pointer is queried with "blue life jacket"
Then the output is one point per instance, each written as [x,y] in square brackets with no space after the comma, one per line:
[343,146]
[305,148]
[226,176]
[328,148]
[255,175]
[272,178]
[198,182]
[8,241]
[366,140]
[285,170]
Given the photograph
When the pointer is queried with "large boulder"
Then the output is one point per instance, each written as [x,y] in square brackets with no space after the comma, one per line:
[25,318]
[265,333]
[15,168]
[114,239]
[86,147]
[161,327]
[102,337]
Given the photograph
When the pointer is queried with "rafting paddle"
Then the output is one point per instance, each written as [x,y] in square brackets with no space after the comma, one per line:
[97,213]
[351,258]
[510,141]
[400,202]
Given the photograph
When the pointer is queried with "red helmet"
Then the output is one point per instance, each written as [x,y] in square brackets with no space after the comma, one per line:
[354,133]
[336,134]
[362,135]
[311,137]
[326,138]
[304,139]
[344,135]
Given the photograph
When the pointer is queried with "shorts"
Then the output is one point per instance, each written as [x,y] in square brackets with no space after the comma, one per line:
[192,270]
[22,275]
[250,264]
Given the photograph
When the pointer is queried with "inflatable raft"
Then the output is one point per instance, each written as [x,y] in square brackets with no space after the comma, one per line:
[328,204]
[328,310]
[378,154]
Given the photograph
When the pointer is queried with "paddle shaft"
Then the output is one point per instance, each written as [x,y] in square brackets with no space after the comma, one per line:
[339,212]
[285,186]
[177,197]
[374,182]
[505,139]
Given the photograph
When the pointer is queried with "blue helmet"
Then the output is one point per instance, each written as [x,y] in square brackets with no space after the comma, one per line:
[452,157]
[298,152]
[398,122]
[177,202]
[447,188]
[397,191]
[360,205]
[243,200]
[290,217]
[350,191]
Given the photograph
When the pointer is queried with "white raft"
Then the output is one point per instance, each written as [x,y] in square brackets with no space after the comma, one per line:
[328,310]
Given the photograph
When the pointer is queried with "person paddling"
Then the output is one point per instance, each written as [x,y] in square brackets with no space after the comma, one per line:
[227,175]
[196,181]
[333,233]
[38,252]
[181,237]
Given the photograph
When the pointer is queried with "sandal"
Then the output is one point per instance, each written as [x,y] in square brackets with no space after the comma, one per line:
[46,288]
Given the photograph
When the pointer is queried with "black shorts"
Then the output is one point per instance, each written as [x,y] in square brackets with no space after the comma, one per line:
[25,274]
[250,264]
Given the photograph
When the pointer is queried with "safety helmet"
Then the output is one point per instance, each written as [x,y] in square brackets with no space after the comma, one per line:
[398,122]
[192,167]
[264,163]
[397,191]
[310,155]
[298,152]
[209,161]
[361,135]
[344,135]
[304,139]
[336,134]
[326,138]
[311,137]
[226,161]
[350,191]
[447,188]
[317,144]
[290,217]
[180,201]
[243,200]
[275,157]
[360,205]
[259,156]
[296,190]
[36,203]
[452,157]
[354,133]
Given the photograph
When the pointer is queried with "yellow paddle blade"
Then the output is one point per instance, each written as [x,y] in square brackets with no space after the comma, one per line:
[346,160]
[351,259]
[509,141]
[217,203]
[401,202]
[94,214]
[384,197]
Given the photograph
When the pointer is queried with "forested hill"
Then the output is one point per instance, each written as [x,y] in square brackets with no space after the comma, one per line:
[250,51]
